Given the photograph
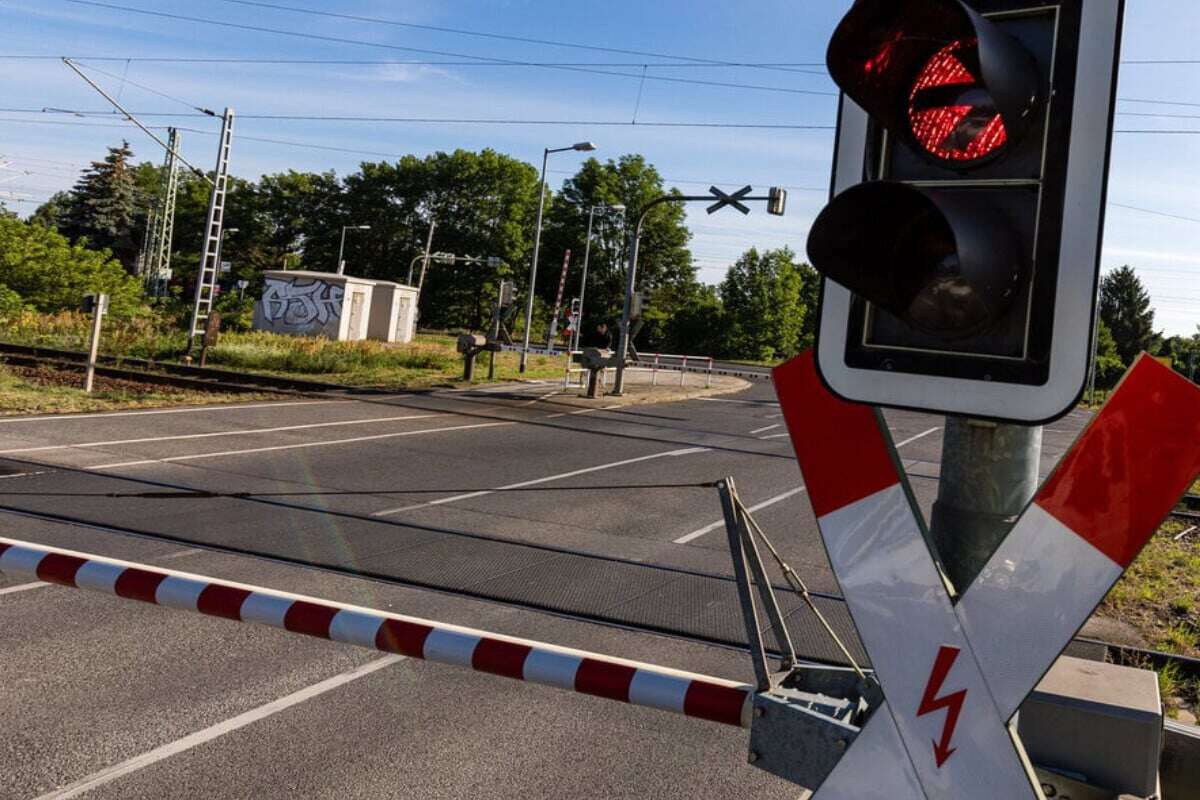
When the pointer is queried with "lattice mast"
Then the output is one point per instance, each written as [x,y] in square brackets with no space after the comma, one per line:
[210,253]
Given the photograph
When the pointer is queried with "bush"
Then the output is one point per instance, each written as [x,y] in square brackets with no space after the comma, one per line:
[148,336]
[51,274]
[11,304]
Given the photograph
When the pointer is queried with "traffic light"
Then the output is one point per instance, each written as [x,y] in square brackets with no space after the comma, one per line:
[961,245]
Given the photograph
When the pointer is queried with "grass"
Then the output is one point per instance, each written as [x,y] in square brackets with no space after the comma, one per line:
[47,391]
[1159,597]
[431,360]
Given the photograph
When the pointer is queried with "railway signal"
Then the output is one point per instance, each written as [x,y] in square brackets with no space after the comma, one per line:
[961,246]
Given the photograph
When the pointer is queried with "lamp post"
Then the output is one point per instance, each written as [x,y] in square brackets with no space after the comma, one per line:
[587,251]
[582,147]
[341,265]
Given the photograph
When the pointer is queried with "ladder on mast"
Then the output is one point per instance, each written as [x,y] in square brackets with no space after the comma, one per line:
[210,265]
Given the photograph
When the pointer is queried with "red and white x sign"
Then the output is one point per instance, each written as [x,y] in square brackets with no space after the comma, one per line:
[955,670]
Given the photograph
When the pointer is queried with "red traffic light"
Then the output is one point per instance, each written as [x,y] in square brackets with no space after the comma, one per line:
[938,75]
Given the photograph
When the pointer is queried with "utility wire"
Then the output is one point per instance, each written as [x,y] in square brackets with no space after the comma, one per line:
[136,122]
[143,87]
[439,120]
[1156,213]
[500,36]
[425,51]
[402,62]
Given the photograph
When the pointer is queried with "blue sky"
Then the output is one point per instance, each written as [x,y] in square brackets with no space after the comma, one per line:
[1156,172]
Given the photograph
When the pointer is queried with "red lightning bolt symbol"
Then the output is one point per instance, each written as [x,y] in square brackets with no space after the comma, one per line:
[953,703]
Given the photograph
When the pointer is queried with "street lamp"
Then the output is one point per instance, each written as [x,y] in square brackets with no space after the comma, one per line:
[587,250]
[582,147]
[341,266]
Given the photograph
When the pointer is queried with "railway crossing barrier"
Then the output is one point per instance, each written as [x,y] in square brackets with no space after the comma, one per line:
[633,682]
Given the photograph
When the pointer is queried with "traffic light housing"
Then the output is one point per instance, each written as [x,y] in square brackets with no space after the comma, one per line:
[961,244]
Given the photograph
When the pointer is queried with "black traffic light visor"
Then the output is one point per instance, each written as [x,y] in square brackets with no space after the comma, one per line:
[947,81]
[946,262]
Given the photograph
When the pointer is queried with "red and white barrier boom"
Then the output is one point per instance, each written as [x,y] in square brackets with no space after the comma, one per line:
[631,682]
[954,670]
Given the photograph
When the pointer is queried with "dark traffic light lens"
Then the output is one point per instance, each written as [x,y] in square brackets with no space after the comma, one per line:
[952,116]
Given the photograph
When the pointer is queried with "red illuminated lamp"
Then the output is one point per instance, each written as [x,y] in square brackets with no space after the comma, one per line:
[952,117]
[938,76]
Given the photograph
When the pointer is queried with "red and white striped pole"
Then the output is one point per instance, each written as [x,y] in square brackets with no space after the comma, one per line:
[632,682]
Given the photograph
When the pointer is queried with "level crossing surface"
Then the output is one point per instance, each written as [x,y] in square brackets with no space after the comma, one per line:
[409,487]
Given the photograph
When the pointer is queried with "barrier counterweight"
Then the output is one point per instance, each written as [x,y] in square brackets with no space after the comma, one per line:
[686,693]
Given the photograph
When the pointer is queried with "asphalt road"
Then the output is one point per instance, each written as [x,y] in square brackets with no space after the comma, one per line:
[502,509]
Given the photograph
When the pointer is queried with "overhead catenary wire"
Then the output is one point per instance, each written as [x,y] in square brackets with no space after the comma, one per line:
[426,51]
[131,118]
[499,36]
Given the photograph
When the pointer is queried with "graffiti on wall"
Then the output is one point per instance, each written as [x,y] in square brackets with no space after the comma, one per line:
[303,306]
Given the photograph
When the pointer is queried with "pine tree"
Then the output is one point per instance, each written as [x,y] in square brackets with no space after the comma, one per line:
[1125,309]
[104,207]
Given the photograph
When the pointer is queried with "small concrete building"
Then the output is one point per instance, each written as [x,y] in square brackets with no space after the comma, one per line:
[302,303]
[340,307]
[393,312]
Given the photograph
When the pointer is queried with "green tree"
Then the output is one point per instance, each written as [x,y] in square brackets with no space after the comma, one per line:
[1184,352]
[50,213]
[50,274]
[1125,309]
[810,298]
[1109,367]
[105,208]
[665,269]
[764,310]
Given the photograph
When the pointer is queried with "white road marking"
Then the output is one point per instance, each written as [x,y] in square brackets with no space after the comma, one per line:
[775,436]
[765,428]
[547,479]
[189,410]
[581,411]
[302,445]
[696,534]
[238,432]
[110,774]
[779,498]
[912,439]
[22,587]
[741,402]
[24,474]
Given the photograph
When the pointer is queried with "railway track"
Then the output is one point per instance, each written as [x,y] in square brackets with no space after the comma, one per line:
[169,374]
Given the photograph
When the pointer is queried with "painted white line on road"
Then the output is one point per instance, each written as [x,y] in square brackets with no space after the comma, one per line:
[765,428]
[110,774]
[24,474]
[239,432]
[779,498]
[912,439]
[188,410]
[740,402]
[581,411]
[331,442]
[775,436]
[22,587]
[547,479]
[696,534]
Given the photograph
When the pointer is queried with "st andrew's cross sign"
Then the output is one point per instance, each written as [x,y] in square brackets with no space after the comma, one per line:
[955,669]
